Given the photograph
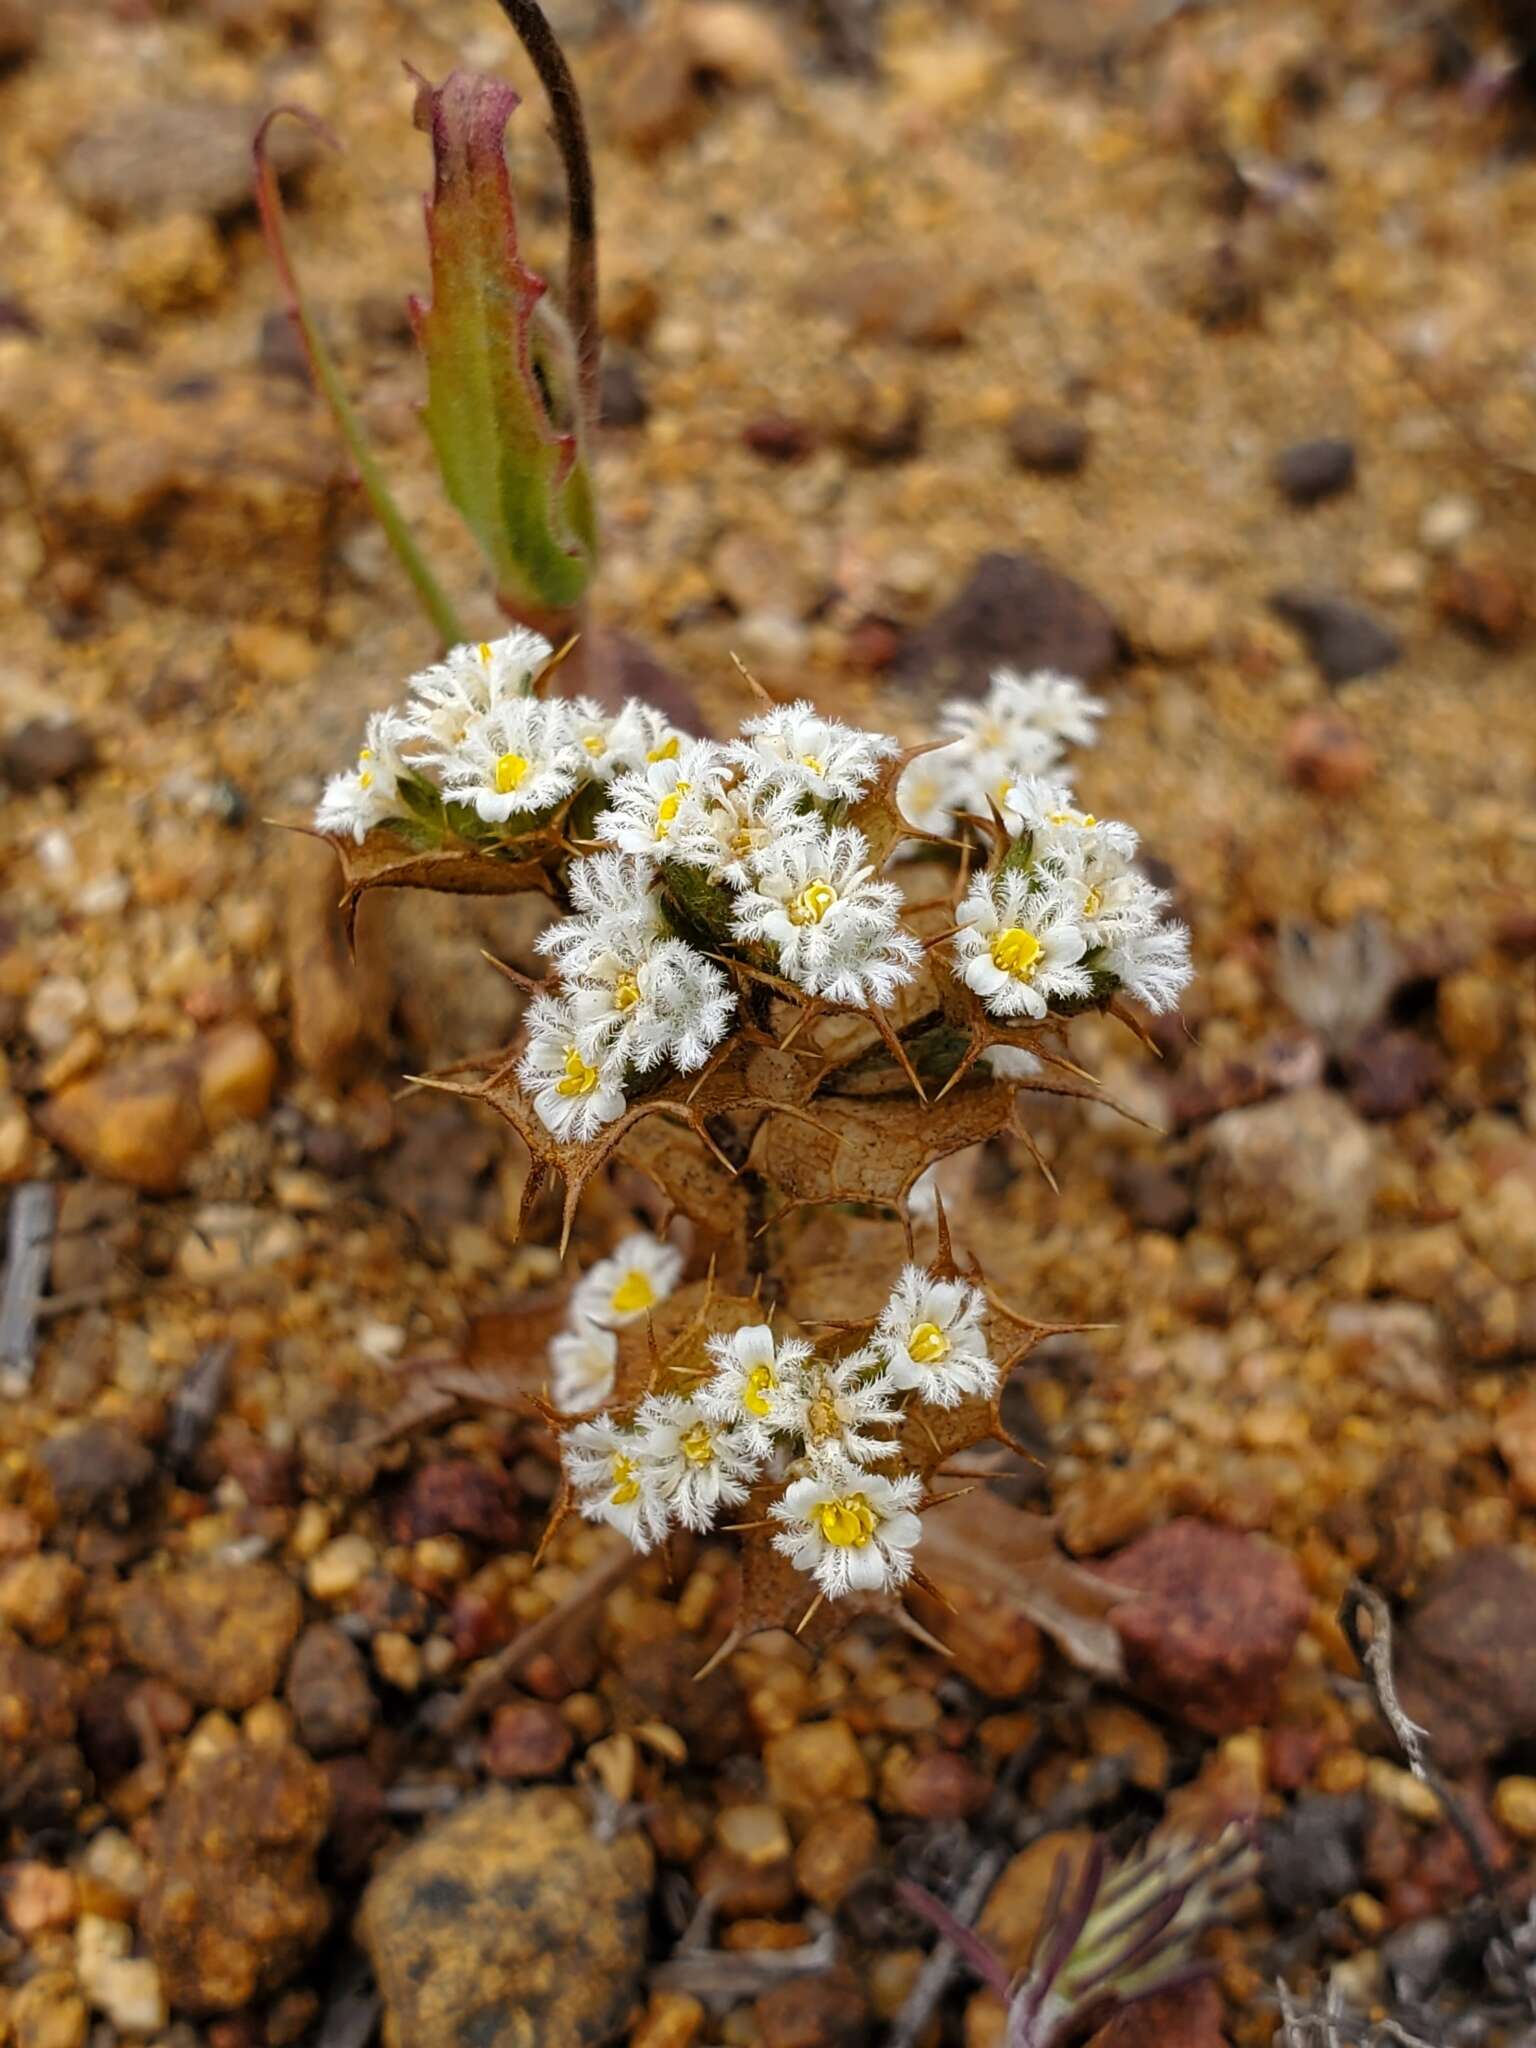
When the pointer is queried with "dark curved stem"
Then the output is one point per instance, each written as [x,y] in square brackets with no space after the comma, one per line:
[548,59]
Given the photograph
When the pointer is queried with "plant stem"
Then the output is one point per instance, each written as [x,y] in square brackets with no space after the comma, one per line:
[434,601]
[548,59]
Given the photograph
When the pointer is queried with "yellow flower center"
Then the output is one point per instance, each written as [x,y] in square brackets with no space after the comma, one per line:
[485,650]
[510,770]
[595,743]
[760,1384]
[848,1523]
[928,1344]
[1093,902]
[580,1079]
[698,1444]
[668,809]
[633,1293]
[626,991]
[667,751]
[1085,819]
[810,761]
[1016,952]
[626,1486]
[365,778]
[812,904]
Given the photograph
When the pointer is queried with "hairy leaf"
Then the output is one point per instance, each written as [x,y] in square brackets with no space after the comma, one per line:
[501,409]
[387,860]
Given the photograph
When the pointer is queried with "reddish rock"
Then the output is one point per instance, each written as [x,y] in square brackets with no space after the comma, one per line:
[527,1740]
[1466,1660]
[1187,2018]
[826,2011]
[1485,600]
[456,1497]
[1213,1625]
[1328,755]
[940,1786]
[778,438]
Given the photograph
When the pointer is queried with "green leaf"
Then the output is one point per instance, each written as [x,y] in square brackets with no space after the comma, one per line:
[501,410]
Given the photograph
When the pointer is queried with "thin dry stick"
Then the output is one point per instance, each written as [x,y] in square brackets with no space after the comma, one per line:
[28,1247]
[548,59]
[1374,1652]
[595,1581]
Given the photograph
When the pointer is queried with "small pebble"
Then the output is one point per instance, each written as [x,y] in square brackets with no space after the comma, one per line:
[1048,443]
[1309,471]
[397,1660]
[1514,1807]
[341,1567]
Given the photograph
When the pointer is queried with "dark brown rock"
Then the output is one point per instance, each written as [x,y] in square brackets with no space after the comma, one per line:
[1047,443]
[44,751]
[1214,1620]
[149,158]
[513,1922]
[940,1786]
[233,1906]
[527,1739]
[1016,611]
[21,32]
[1155,1197]
[621,399]
[220,1633]
[1309,471]
[1389,1072]
[1467,1657]
[37,1714]
[333,1704]
[824,2011]
[456,1497]
[99,1471]
[1343,639]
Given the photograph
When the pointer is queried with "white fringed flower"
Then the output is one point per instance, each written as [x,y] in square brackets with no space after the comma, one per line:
[514,762]
[794,747]
[667,1002]
[833,927]
[629,1283]
[646,803]
[729,835]
[1151,964]
[1062,837]
[641,737]
[700,1464]
[353,803]
[833,1408]
[932,788]
[617,916]
[931,1339]
[613,1482]
[582,1361]
[1019,945]
[572,1095]
[1020,728]
[471,680]
[752,1372]
[853,1530]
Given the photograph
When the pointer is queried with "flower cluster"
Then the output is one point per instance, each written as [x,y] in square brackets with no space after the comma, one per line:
[1021,728]
[720,871]
[1067,919]
[812,1428]
[620,1289]
[472,735]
